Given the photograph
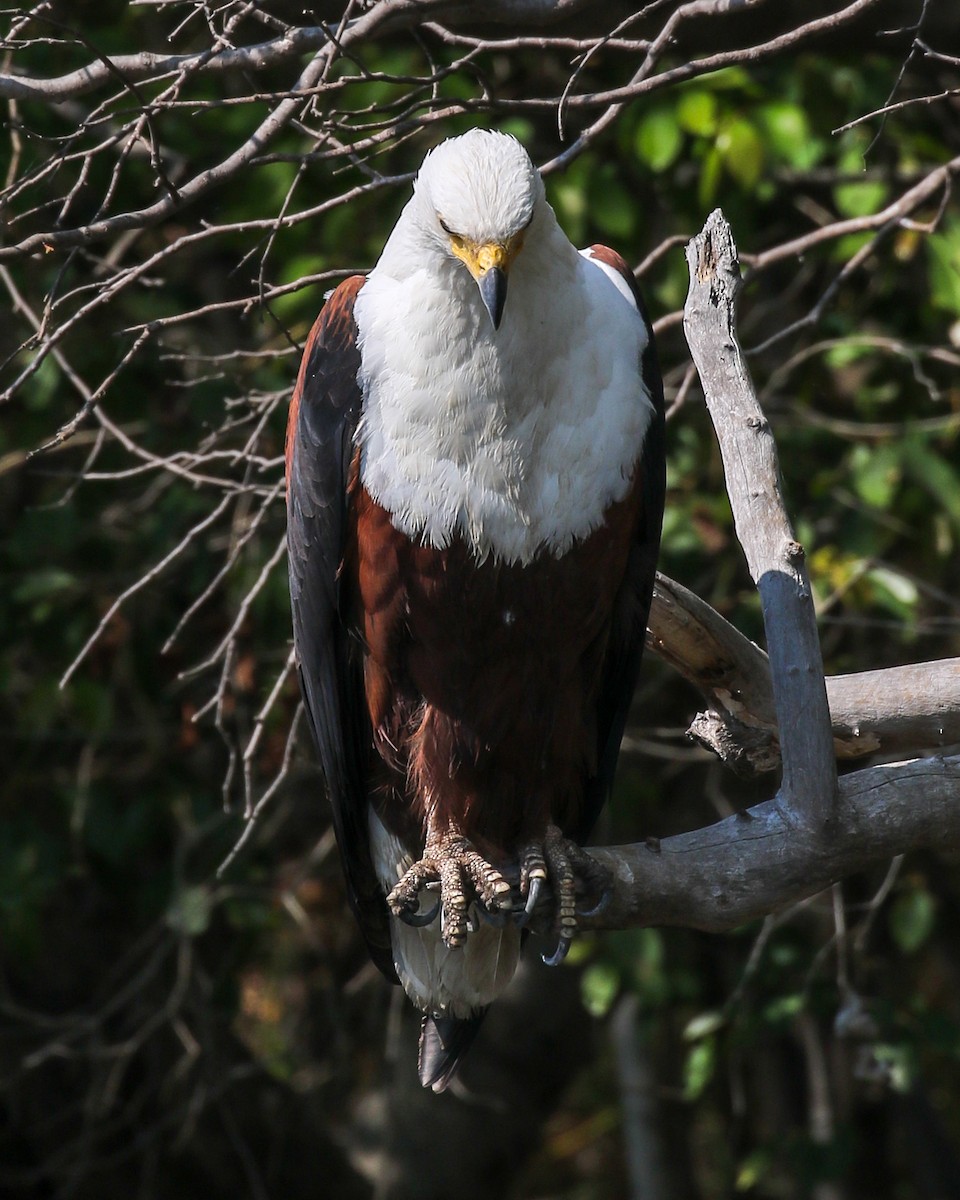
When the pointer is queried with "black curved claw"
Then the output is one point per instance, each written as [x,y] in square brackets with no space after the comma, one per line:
[418,919]
[533,895]
[557,957]
[600,905]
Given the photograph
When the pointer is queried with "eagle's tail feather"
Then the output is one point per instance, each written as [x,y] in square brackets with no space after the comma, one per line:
[443,1043]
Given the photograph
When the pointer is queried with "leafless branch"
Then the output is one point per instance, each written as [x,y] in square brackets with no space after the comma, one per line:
[892,711]
[775,558]
[815,830]
[759,860]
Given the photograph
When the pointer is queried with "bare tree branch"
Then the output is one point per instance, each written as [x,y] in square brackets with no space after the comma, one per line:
[938,180]
[895,710]
[383,15]
[775,558]
[814,831]
[155,67]
[762,859]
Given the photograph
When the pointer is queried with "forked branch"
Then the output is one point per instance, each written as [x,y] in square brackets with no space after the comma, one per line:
[812,832]
[895,711]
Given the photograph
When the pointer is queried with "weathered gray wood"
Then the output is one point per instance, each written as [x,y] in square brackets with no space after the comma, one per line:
[731,672]
[814,831]
[916,706]
[774,557]
[756,862]
[893,711]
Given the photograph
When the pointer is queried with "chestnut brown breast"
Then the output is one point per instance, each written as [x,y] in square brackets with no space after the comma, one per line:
[482,678]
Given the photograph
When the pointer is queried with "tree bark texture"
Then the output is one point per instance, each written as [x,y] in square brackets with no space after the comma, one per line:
[895,711]
[774,556]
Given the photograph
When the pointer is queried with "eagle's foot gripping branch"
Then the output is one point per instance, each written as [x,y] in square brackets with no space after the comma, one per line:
[467,882]
[570,871]
[463,877]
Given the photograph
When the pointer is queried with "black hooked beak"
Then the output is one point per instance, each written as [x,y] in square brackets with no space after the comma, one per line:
[493,293]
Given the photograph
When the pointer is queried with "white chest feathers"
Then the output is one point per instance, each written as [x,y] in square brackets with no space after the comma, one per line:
[517,440]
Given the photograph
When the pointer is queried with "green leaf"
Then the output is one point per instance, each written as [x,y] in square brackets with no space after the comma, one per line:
[710,176]
[42,584]
[935,474]
[741,148]
[45,385]
[788,134]
[899,592]
[912,917]
[699,1068]
[944,251]
[897,1064]
[876,474]
[568,195]
[846,247]
[520,128]
[784,1008]
[659,139]
[752,1170]
[613,209]
[859,199]
[598,988]
[697,113]
[731,79]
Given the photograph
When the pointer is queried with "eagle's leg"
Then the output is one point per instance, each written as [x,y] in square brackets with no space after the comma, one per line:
[569,869]
[464,876]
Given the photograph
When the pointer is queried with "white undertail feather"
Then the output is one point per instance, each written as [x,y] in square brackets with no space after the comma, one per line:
[517,439]
[452,983]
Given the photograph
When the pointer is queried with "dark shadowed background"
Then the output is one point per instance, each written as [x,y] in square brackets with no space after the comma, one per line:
[174,206]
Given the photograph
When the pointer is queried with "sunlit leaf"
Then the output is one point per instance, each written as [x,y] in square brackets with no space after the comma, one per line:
[900,590]
[659,139]
[703,1025]
[752,1170]
[697,113]
[741,148]
[860,199]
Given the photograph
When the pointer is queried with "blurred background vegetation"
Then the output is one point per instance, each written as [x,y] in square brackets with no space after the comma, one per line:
[168,1032]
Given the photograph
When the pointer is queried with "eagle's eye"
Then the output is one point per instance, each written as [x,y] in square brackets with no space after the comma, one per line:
[448,231]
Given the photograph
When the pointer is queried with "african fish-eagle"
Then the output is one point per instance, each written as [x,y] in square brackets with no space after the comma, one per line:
[475,479]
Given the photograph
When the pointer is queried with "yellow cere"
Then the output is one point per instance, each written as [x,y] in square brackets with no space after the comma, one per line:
[479,258]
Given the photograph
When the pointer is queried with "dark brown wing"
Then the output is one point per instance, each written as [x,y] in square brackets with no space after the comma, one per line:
[622,665]
[323,417]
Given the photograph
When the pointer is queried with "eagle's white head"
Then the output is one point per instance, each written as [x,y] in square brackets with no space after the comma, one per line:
[475,198]
[481,185]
